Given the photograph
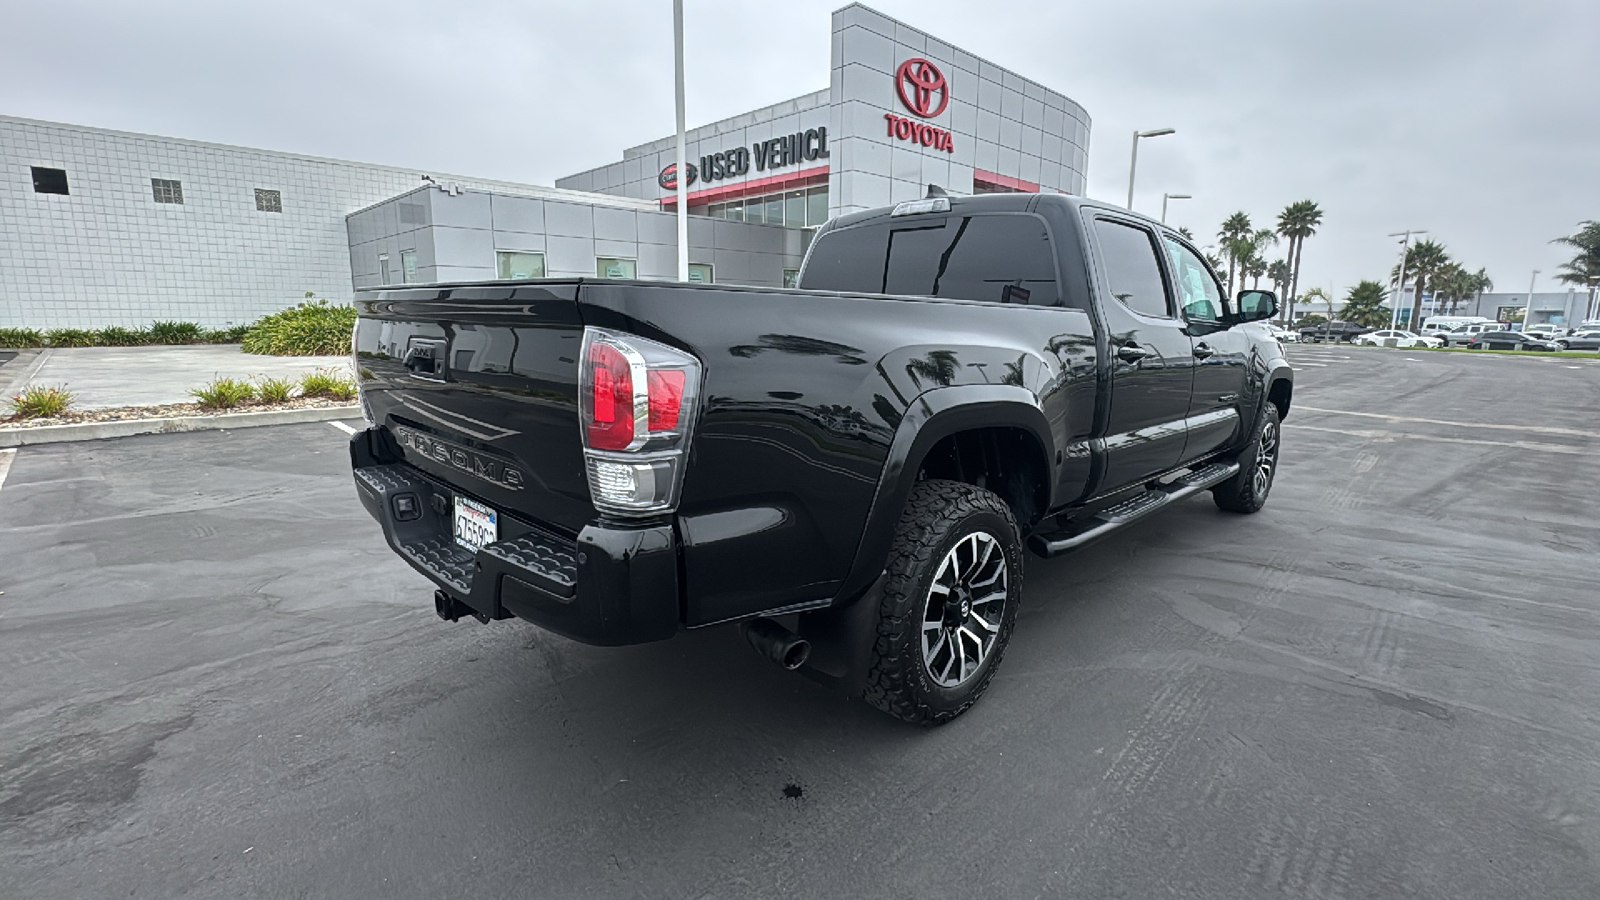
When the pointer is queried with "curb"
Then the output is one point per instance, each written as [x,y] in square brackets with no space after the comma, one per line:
[95,431]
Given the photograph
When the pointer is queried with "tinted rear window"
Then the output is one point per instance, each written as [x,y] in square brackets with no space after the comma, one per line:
[999,259]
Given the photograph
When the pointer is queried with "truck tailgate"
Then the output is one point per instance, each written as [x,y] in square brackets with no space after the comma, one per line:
[481,392]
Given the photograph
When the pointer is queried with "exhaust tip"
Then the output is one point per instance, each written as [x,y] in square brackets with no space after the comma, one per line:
[777,643]
[797,654]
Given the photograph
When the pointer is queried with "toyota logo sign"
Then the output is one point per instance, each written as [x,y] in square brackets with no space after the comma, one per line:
[668,179]
[917,80]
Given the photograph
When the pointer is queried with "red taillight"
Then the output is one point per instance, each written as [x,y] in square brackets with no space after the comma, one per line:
[666,398]
[610,425]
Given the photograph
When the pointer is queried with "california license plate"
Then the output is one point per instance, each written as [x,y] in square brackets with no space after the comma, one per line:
[475,524]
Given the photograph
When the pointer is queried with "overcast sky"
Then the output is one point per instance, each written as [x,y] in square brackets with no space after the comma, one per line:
[1478,121]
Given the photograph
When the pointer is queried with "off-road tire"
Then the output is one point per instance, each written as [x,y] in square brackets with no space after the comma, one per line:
[1243,493]
[938,515]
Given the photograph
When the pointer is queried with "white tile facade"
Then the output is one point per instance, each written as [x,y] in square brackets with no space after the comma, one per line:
[455,238]
[108,254]
[1000,123]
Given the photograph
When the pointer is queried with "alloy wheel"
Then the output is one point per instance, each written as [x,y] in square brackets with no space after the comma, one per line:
[1266,459]
[965,607]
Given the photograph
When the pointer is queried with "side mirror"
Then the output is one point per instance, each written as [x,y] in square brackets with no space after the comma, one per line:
[1254,306]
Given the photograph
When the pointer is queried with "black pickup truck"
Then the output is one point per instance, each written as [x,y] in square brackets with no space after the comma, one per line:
[850,469]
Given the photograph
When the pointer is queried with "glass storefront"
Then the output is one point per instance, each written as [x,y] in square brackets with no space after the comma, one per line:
[803,208]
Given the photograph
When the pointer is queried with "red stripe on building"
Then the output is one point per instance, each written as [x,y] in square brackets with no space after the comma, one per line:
[1005,181]
[770,184]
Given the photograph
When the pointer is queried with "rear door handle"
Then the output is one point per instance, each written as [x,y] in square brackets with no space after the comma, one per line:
[1131,353]
[1201,351]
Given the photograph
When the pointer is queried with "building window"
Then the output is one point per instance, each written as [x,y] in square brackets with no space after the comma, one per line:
[269,201]
[383,268]
[699,273]
[167,190]
[49,181]
[791,278]
[518,264]
[408,266]
[793,209]
[816,206]
[606,267]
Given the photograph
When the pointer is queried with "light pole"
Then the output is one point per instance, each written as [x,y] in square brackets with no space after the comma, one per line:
[1165,198]
[1400,277]
[1527,311]
[1589,310]
[1133,163]
[683,167]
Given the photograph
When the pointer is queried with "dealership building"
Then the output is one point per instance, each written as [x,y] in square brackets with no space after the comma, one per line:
[100,227]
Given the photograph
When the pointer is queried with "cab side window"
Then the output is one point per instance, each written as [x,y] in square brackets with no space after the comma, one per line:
[1198,295]
[1132,269]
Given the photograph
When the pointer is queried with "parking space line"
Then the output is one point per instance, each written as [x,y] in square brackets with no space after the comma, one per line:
[1533,429]
[342,427]
[1414,436]
[6,456]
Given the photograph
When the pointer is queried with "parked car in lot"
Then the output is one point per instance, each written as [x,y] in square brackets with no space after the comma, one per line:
[1332,332]
[1459,336]
[1544,329]
[1579,340]
[1509,340]
[1393,338]
[851,469]
[1282,335]
[1440,325]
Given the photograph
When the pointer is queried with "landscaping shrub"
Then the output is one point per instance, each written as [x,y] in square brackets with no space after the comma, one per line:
[224,393]
[21,337]
[313,328]
[274,390]
[232,335]
[70,337]
[327,383]
[174,333]
[117,336]
[37,401]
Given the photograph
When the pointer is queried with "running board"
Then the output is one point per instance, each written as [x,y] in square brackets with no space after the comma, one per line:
[1127,512]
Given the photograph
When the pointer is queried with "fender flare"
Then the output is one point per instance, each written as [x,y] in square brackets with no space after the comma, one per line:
[931,417]
[1279,370]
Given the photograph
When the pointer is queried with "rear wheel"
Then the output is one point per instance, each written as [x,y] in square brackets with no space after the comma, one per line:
[1246,491]
[949,602]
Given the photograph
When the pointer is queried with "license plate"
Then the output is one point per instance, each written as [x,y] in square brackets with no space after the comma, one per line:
[475,524]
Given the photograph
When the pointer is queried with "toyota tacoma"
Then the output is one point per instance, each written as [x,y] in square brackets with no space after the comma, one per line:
[852,469]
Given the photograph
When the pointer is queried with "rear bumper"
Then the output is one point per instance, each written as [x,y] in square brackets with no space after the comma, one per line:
[610,586]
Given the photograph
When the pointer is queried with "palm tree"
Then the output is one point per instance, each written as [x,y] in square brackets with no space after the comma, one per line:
[1480,282]
[1278,273]
[1298,221]
[1363,305]
[1584,267]
[1259,241]
[1232,238]
[1423,260]
[1449,284]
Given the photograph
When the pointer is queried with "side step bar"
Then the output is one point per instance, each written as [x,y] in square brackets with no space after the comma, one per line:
[1106,521]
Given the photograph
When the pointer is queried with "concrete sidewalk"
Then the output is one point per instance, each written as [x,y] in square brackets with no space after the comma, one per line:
[149,376]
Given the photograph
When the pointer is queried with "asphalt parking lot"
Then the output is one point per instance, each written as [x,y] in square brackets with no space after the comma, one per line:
[216,681]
